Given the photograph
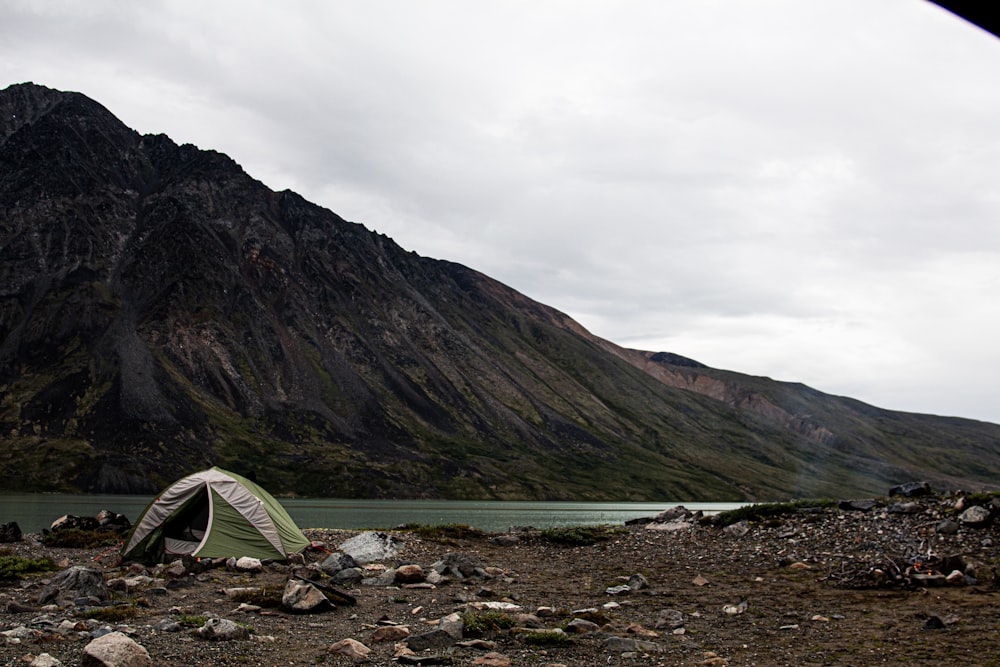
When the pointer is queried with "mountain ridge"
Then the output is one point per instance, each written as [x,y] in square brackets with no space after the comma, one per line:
[161,311]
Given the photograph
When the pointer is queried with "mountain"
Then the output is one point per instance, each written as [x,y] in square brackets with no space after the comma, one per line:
[162,311]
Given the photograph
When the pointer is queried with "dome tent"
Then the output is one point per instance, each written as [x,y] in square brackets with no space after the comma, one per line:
[213,514]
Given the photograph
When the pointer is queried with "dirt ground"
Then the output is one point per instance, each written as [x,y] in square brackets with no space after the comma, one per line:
[789,571]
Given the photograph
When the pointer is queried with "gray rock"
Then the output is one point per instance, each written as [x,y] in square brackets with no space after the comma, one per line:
[637,582]
[10,532]
[460,565]
[903,508]
[350,576]
[336,562]
[167,625]
[435,639]
[303,597]
[370,546]
[581,626]
[453,625]
[669,618]
[75,582]
[911,490]
[115,650]
[222,629]
[976,516]
[45,660]
[947,527]
[738,529]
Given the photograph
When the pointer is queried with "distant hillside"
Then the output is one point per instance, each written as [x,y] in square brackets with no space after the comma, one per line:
[161,311]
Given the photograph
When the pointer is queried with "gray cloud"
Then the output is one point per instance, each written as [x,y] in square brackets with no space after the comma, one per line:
[800,190]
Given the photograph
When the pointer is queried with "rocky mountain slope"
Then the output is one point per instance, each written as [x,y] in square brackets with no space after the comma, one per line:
[162,311]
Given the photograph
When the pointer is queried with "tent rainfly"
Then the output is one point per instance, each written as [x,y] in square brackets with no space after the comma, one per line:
[213,514]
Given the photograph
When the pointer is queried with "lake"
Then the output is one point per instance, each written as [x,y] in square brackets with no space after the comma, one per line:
[35,511]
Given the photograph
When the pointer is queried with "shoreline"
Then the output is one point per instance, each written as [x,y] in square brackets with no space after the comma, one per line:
[802,588]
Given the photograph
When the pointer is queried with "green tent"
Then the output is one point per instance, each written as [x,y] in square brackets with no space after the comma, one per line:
[213,514]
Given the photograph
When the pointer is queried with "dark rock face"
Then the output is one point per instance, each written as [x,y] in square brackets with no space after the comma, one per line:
[162,311]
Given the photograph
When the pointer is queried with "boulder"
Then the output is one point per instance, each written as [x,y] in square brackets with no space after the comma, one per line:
[351,648]
[435,639]
[460,565]
[10,532]
[371,546]
[248,564]
[337,562]
[303,597]
[68,521]
[911,490]
[738,529]
[976,516]
[75,582]
[409,574]
[115,650]
[222,629]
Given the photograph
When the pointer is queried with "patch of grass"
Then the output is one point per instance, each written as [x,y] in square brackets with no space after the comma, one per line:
[266,596]
[13,567]
[490,621]
[981,498]
[579,536]
[192,621]
[116,614]
[74,538]
[445,532]
[545,637]
[761,511]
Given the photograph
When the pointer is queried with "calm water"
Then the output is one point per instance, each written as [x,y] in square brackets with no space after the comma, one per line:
[34,511]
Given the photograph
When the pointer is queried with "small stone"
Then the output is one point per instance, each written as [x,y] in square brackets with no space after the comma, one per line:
[637,629]
[409,574]
[114,650]
[248,564]
[45,660]
[976,516]
[738,529]
[301,596]
[222,629]
[390,633]
[947,527]
[493,659]
[580,626]
[700,581]
[934,623]
[352,648]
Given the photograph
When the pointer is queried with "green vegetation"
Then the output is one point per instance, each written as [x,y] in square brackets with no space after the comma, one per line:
[488,622]
[75,538]
[545,637]
[580,536]
[14,567]
[266,596]
[192,621]
[115,614]
[761,511]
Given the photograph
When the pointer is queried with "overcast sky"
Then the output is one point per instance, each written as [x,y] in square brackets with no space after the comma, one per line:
[804,190]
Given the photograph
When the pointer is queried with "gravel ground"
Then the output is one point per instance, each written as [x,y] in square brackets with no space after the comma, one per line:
[811,588]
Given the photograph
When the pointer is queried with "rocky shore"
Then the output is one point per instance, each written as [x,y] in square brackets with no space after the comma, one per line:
[908,579]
